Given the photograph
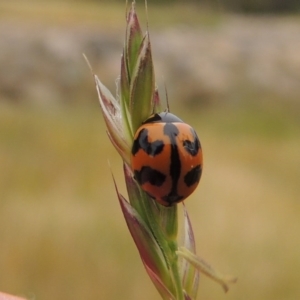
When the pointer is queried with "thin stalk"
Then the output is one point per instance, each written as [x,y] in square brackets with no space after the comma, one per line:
[175,272]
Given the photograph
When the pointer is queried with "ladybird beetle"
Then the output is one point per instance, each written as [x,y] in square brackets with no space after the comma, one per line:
[166,158]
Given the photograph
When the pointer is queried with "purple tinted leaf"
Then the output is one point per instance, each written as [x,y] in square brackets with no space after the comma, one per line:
[162,289]
[142,85]
[187,297]
[112,116]
[148,247]
[133,40]
[108,103]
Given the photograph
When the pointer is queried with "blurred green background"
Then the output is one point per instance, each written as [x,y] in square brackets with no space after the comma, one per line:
[232,74]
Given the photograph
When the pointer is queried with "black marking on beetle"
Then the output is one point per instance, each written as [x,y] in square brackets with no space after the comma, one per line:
[151,196]
[147,174]
[172,198]
[193,176]
[175,167]
[163,117]
[153,119]
[192,147]
[141,142]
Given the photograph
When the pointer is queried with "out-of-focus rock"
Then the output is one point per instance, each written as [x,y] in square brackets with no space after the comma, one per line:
[44,65]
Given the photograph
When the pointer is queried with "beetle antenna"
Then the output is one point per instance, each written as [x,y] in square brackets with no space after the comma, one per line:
[126,10]
[147,17]
[167,98]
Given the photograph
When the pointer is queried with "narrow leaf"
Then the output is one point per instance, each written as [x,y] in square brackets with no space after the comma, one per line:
[142,86]
[190,274]
[122,151]
[162,289]
[149,250]
[206,269]
[133,41]
[125,96]
[112,117]
[124,82]
[187,297]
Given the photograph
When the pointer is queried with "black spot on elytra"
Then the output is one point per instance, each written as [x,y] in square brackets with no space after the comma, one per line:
[192,147]
[147,174]
[172,132]
[193,176]
[172,198]
[141,142]
[175,167]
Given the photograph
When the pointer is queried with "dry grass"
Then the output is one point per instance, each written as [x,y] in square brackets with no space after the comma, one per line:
[62,12]
[103,13]
[61,230]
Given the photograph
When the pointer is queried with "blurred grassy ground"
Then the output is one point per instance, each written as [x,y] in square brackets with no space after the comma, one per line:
[62,235]
[110,14]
